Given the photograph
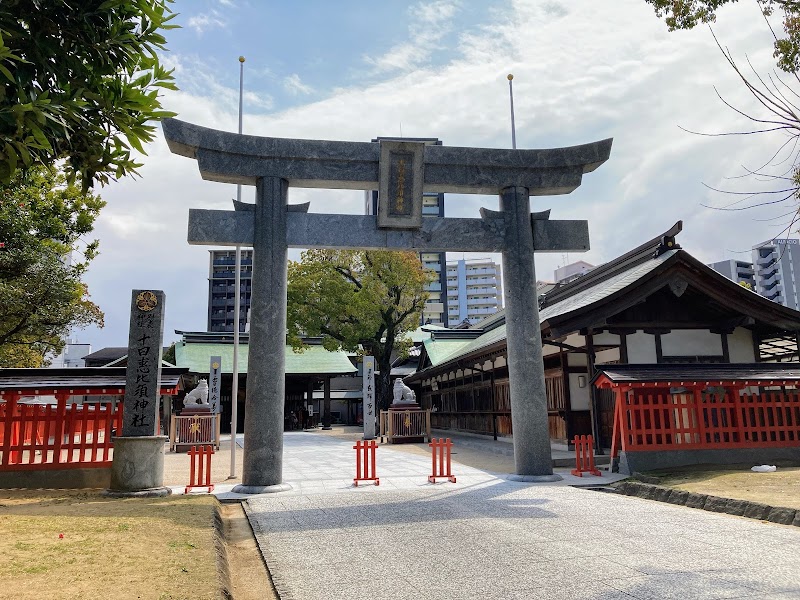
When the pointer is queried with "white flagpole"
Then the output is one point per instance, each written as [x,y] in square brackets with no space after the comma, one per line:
[511,97]
[236,299]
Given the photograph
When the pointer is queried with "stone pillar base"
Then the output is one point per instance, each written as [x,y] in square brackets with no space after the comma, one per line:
[138,467]
[261,489]
[535,478]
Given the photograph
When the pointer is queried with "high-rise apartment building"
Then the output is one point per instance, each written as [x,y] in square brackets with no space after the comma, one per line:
[222,287]
[474,290]
[435,310]
[775,275]
[739,271]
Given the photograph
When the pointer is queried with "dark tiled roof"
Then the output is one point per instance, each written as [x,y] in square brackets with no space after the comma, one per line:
[689,373]
[95,378]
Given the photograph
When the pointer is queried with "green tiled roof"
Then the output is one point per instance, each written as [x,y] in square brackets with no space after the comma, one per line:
[418,335]
[313,359]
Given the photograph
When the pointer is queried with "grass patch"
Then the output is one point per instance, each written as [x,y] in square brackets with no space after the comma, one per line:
[781,488]
[78,544]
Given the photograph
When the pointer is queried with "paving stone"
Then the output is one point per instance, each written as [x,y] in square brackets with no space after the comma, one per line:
[784,516]
[757,510]
[715,504]
[694,500]
[735,507]
[678,497]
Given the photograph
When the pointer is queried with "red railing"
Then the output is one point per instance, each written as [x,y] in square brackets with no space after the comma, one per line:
[584,456]
[661,421]
[200,468]
[365,462]
[440,468]
[39,436]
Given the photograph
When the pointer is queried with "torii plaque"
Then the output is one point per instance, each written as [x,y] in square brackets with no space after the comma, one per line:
[401,171]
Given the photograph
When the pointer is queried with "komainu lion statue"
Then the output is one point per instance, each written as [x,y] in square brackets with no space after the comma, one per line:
[402,393]
[198,395]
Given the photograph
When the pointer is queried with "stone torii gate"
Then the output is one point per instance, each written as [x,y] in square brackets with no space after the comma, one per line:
[400,171]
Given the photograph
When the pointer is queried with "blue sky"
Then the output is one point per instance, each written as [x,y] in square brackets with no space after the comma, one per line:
[584,70]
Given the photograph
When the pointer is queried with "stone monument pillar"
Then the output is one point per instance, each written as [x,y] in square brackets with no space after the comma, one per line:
[138,464]
[266,383]
[532,457]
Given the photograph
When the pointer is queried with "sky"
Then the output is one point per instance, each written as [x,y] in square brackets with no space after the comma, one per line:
[584,70]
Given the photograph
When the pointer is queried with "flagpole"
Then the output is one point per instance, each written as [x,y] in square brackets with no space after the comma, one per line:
[511,97]
[237,295]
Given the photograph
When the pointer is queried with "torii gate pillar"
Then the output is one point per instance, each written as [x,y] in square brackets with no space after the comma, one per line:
[532,456]
[266,383]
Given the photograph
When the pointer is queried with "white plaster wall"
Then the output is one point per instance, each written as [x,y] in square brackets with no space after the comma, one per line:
[606,356]
[578,396]
[605,338]
[576,360]
[691,342]
[641,348]
[740,346]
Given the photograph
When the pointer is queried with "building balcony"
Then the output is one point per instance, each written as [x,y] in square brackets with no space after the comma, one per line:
[769,278]
[482,301]
[432,266]
[430,211]
[434,287]
[479,272]
[764,261]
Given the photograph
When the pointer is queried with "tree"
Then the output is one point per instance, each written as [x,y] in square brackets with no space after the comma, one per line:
[42,219]
[776,103]
[687,14]
[357,300]
[79,81]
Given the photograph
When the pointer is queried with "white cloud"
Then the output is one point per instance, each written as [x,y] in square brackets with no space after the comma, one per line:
[294,86]
[430,22]
[203,22]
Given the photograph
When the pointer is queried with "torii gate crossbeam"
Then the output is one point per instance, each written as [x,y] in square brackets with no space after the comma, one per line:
[401,171]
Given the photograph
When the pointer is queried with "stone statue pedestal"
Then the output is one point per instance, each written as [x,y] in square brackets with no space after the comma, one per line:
[138,467]
[196,409]
[407,423]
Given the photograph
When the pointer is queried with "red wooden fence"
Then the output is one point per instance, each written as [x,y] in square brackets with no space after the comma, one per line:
[655,420]
[43,436]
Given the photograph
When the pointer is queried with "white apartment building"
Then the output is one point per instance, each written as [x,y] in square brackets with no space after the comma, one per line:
[474,290]
[775,274]
[739,271]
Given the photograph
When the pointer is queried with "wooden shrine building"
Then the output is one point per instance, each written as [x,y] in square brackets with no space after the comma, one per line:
[655,305]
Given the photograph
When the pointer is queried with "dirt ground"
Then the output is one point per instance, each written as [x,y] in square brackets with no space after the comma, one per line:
[781,488]
[248,574]
[78,544]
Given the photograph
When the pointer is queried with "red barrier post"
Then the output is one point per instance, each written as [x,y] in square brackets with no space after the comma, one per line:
[365,462]
[441,468]
[196,467]
[584,456]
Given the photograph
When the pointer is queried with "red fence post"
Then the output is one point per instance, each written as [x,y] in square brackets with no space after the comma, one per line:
[442,469]
[366,469]
[584,456]
[196,468]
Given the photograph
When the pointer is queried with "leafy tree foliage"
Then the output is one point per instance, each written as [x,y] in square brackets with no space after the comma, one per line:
[357,299]
[687,14]
[79,81]
[42,218]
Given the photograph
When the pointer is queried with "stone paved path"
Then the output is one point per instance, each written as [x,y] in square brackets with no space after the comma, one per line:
[485,537]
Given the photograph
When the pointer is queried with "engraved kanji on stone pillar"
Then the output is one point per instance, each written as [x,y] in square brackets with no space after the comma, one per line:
[143,377]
